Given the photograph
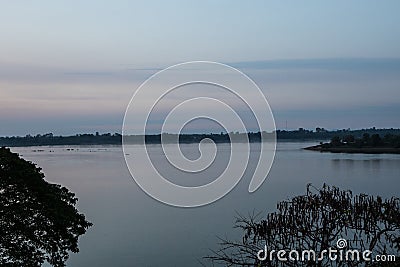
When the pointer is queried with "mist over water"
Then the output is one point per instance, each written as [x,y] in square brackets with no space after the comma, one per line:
[132,229]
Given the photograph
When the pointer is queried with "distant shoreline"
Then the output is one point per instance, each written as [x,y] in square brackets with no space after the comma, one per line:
[319,134]
[354,150]
[366,144]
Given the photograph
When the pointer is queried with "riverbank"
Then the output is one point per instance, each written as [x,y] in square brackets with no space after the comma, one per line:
[116,139]
[353,150]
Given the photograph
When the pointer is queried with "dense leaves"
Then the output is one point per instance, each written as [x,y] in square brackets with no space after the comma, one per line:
[38,220]
[375,140]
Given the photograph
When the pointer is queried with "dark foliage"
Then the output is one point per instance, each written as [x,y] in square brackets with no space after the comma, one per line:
[38,220]
[52,140]
[366,141]
[316,221]
[116,139]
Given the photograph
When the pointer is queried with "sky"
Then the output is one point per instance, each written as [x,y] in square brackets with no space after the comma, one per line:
[72,67]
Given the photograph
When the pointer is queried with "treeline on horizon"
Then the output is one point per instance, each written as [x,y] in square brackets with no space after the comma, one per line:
[319,134]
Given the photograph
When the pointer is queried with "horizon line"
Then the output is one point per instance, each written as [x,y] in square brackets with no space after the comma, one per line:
[97,133]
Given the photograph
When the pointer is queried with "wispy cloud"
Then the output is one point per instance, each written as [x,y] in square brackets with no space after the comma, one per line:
[376,64]
[90,73]
[334,93]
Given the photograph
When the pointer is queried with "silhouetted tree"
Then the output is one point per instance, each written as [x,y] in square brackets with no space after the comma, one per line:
[335,141]
[38,220]
[366,138]
[392,140]
[349,138]
[376,140]
[316,221]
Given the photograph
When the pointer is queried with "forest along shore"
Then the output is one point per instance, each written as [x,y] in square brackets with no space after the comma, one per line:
[319,134]
[367,144]
[364,150]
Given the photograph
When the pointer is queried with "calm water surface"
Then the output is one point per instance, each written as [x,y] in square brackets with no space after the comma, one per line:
[132,229]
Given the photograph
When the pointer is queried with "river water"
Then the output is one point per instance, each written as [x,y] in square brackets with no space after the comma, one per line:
[132,229]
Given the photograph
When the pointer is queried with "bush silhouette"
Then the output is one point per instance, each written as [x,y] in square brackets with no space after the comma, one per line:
[316,221]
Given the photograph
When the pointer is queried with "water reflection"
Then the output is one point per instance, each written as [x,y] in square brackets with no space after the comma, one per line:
[132,229]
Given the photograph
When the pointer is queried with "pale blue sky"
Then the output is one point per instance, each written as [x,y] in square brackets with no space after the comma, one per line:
[70,67]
